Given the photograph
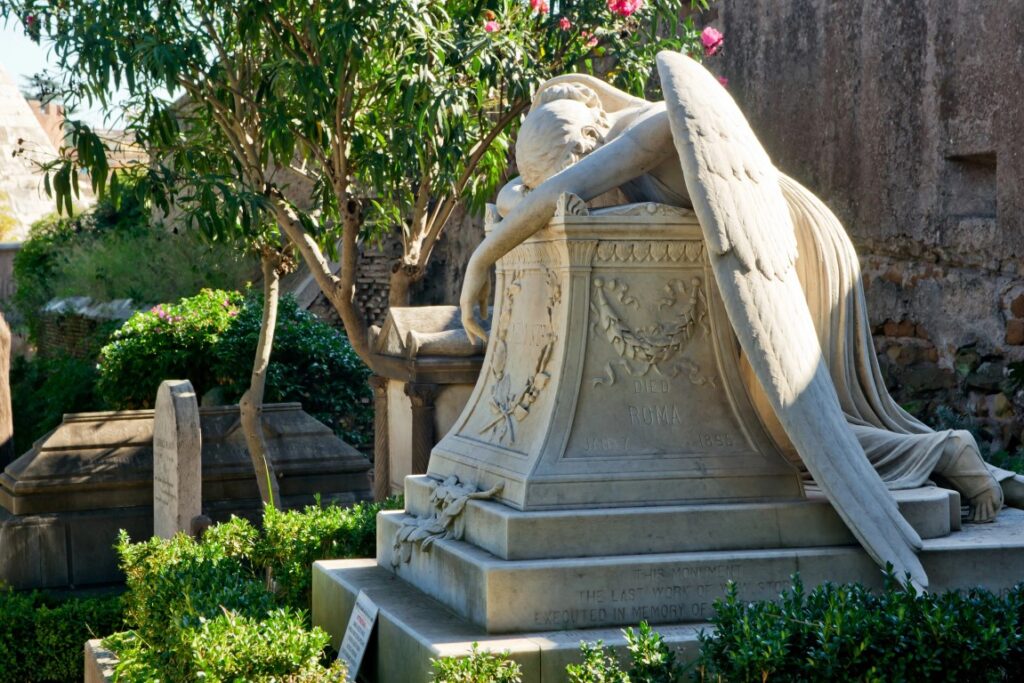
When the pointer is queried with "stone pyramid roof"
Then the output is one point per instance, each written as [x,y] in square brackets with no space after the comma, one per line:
[22,198]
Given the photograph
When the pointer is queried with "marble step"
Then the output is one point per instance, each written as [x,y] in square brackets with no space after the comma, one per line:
[412,628]
[504,596]
[593,532]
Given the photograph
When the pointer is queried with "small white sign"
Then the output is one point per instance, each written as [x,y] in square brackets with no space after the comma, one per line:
[357,635]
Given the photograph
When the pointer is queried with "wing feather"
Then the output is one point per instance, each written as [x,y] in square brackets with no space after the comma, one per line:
[749,232]
[735,179]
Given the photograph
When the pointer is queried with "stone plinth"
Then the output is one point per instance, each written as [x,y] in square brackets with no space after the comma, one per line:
[64,501]
[414,626]
[514,571]
[611,376]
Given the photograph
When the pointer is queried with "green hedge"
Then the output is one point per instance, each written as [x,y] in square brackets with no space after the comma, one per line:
[831,633]
[169,341]
[42,637]
[202,610]
[849,632]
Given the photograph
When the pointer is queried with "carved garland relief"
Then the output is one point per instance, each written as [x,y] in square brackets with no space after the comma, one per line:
[657,347]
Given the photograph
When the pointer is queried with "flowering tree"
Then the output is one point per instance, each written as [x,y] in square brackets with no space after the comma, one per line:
[310,125]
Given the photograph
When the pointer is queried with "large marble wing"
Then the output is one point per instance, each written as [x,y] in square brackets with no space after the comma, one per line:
[752,247]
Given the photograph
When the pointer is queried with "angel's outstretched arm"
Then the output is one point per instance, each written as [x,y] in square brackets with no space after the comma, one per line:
[647,143]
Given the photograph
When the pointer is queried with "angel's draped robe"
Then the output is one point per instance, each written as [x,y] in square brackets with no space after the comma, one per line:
[904,451]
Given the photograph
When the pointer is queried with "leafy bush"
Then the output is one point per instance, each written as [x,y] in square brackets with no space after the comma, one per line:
[115,252]
[294,539]
[202,609]
[229,647]
[652,661]
[210,339]
[41,637]
[1008,461]
[43,389]
[480,666]
[851,633]
[172,341]
[311,363]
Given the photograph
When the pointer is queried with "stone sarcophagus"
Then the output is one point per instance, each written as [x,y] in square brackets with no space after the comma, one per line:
[612,377]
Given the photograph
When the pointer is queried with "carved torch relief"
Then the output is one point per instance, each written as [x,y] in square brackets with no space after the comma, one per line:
[524,345]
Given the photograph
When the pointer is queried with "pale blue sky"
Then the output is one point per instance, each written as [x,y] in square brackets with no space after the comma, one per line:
[21,58]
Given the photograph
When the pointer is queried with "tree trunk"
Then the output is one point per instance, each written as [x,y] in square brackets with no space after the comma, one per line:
[251,404]
[339,290]
[7,453]
[403,277]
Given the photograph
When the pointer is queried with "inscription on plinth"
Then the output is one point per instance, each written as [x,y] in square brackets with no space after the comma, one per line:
[653,594]
[177,465]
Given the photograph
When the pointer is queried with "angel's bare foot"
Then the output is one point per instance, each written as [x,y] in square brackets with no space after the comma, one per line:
[986,505]
[1013,491]
[962,468]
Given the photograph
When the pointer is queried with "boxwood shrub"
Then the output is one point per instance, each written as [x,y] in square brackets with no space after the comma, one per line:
[42,636]
[203,610]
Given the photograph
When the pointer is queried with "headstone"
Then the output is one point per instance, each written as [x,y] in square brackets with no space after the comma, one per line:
[177,465]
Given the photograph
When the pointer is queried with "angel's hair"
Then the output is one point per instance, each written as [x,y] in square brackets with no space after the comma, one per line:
[566,123]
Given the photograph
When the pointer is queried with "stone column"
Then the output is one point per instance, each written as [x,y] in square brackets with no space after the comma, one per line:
[381,452]
[422,396]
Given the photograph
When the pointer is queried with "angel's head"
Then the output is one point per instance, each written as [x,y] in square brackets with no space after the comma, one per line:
[566,123]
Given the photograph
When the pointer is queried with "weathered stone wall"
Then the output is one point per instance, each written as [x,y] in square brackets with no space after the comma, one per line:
[907,118]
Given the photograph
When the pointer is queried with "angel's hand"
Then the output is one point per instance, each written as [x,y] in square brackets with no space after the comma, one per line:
[476,289]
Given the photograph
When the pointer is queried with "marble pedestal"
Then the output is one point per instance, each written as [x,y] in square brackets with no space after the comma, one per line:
[416,625]
[611,467]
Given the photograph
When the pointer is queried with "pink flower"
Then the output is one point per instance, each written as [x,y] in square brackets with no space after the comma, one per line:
[589,37]
[539,6]
[712,39]
[724,81]
[564,24]
[491,26]
[625,7]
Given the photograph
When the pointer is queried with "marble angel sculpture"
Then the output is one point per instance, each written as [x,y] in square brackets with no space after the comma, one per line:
[787,272]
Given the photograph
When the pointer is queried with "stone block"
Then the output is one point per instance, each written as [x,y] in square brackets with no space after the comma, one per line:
[177,464]
[988,377]
[33,551]
[412,628]
[513,535]
[566,415]
[91,539]
[552,594]
[93,475]
[589,592]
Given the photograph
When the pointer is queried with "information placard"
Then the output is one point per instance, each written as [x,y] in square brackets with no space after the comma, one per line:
[357,635]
